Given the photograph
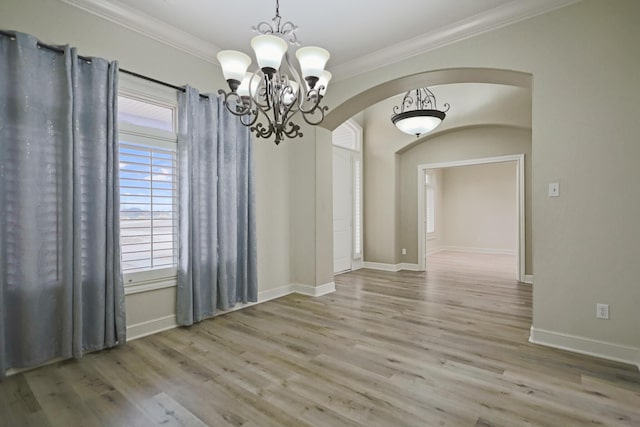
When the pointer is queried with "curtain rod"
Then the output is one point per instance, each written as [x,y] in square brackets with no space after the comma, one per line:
[160,82]
[45,46]
[88,59]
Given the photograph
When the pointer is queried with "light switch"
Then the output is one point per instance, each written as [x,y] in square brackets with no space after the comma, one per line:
[554,189]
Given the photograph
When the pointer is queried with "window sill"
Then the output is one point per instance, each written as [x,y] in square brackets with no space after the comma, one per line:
[150,285]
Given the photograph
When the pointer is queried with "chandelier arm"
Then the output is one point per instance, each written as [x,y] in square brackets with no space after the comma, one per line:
[287,90]
[314,98]
[239,109]
[288,32]
[263,27]
[322,110]
[264,112]
[294,132]
[261,131]
[296,77]
[408,101]
[253,115]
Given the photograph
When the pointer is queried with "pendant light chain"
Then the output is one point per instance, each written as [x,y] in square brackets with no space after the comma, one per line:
[277,18]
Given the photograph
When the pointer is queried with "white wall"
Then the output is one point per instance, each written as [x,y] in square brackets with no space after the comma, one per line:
[480,208]
[584,63]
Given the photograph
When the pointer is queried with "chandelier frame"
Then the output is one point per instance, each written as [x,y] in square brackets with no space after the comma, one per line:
[280,94]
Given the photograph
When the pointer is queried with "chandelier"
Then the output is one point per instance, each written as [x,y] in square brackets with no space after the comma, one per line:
[275,91]
[418,112]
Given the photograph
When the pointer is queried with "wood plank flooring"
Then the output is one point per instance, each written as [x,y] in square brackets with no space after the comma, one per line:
[447,347]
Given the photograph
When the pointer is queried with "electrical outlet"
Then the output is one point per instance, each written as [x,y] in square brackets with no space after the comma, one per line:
[602,311]
[404,251]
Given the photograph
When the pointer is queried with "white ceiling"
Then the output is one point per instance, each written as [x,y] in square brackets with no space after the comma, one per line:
[360,34]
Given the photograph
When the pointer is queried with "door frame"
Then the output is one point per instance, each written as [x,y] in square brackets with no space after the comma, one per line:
[520,193]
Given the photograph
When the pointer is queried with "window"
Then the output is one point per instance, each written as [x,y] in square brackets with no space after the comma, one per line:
[142,113]
[430,200]
[148,183]
[148,217]
[348,135]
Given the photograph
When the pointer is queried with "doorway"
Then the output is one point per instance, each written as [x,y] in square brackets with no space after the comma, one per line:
[347,197]
[426,212]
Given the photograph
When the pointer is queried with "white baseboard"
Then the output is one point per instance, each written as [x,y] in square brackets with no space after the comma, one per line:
[408,266]
[588,346]
[528,278]
[380,266]
[390,267]
[15,371]
[150,327]
[274,293]
[314,291]
[489,251]
[154,326]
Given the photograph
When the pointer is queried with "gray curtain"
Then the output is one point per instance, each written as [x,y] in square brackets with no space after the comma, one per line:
[217,247]
[61,291]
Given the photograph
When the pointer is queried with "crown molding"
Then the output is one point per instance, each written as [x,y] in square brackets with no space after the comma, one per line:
[490,20]
[148,26]
[501,16]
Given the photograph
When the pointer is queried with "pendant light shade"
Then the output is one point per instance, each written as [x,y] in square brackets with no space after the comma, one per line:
[418,113]
[234,65]
[418,122]
[312,60]
[323,83]
[269,51]
[250,84]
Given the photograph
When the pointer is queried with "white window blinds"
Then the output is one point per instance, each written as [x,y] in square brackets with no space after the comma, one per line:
[148,205]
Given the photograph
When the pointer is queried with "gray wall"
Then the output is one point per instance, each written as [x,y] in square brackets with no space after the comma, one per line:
[480,211]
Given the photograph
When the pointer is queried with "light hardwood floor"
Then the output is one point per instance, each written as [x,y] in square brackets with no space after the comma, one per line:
[447,347]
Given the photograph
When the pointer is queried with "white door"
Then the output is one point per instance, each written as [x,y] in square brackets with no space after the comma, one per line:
[342,210]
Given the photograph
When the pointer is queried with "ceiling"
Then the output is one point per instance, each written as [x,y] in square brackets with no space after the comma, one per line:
[360,34]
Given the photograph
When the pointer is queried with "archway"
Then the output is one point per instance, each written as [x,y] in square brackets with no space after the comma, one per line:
[364,99]
[391,232]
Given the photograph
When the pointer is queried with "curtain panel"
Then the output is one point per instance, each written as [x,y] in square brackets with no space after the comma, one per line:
[61,291]
[217,243]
